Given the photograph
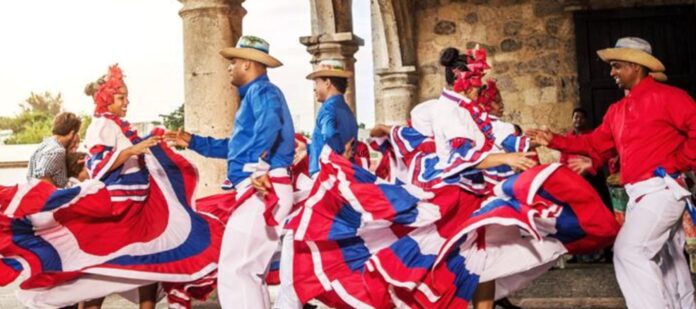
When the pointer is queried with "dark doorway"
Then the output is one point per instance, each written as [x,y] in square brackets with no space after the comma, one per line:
[671,30]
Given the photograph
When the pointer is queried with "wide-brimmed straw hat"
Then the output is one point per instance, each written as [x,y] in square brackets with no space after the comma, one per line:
[252,48]
[330,68]
[634,50]
[659,76]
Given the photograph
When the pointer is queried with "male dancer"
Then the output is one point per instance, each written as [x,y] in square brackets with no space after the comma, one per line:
[259,154]
[653,129]
[335,127]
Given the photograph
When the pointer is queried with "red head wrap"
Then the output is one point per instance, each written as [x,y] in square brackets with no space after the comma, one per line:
[476,63]
[104,95]
[488,95]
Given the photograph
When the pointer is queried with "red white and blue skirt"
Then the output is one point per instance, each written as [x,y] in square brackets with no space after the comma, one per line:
[137,229]
[362,242]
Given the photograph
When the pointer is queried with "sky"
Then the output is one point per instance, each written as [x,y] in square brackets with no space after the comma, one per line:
[60,46]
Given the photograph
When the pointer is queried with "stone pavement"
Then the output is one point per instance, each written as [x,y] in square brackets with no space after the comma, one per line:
[576,286]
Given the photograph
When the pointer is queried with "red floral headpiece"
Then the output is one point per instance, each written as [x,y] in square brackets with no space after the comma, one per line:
[477,65]
[488,95]
[104,95]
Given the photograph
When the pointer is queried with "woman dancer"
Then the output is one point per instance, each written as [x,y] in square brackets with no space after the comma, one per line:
[131,225]
[429,241]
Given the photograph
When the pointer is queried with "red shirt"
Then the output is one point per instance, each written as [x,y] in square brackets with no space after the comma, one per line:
[653,126]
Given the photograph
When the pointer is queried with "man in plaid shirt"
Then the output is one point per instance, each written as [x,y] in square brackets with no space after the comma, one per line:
[48,161]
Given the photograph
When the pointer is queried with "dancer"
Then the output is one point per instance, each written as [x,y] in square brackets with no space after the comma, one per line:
[129,226]
[259,153]
[652,129]
[430,241]
[336,128]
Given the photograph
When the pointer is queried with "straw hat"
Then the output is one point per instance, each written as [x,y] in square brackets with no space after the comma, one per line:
[634,50]
[659,76]
[251,48]
[330,68]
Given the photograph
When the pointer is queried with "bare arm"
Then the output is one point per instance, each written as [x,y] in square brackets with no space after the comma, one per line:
[517,160]
[134,150]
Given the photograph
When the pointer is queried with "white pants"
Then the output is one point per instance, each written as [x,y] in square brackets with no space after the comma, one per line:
[649,251]
[287,297]
[247,249]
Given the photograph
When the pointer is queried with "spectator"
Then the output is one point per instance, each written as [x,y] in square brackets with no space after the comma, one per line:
[48,162]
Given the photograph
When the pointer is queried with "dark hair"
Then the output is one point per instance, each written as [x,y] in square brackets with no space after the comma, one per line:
[579,110]
[340,83]
[64,123]
[91,88]
[75,163]
[451,59]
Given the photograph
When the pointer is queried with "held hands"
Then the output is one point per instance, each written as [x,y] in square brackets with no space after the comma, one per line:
[144,145]
[179,138]
[520,160]
[540,137]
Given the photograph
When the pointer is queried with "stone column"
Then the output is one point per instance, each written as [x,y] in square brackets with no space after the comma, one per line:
[210,101]
[339,46]
[394,56]
[396,89]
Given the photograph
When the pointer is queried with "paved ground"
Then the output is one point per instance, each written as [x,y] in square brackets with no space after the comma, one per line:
[577,286]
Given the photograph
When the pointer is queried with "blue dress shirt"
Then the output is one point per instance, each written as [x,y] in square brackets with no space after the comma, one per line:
[335,126]
[263,125]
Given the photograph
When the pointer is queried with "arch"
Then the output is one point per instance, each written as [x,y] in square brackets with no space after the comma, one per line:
[393,38]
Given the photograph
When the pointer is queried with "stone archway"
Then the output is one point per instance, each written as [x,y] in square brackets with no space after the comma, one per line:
[333,38]
[209,101]
[394,55]
[210,25]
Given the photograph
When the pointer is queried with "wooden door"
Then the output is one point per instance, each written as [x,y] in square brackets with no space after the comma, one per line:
[671,30]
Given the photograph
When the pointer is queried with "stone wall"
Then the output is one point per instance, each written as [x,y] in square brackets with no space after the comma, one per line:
[531,48]
[531,45]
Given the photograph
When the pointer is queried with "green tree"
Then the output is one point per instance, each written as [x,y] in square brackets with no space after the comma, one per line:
[86,121]
[175,119]
[31,133]
[45,103]
[35,121]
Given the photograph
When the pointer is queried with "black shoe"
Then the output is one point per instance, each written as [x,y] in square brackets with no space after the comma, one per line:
[505,304]
[309,306]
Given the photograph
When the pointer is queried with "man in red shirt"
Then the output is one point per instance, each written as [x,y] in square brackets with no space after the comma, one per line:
[653,130]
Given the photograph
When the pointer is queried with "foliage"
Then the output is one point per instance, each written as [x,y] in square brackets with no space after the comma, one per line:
[35,126]
[86,121]
[175,119]
[35,121]
[43,103]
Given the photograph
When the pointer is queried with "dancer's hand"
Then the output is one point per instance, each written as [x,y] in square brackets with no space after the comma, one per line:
[261,184]
[144,145]
[179,138]
[380,130]
[541,137]
[520,160]
[580,164]
[348,152]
